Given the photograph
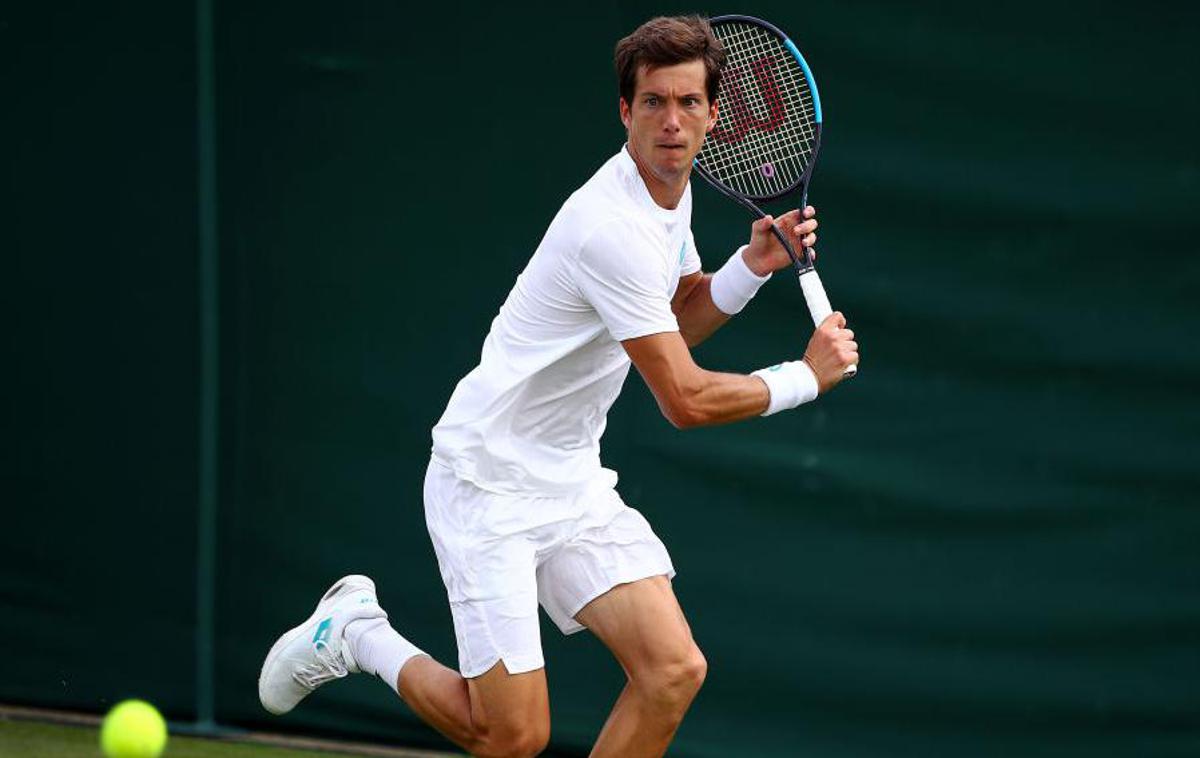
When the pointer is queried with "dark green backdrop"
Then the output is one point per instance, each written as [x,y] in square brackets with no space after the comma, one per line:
[987,545]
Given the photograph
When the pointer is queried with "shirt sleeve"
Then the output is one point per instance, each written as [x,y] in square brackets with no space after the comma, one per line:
[624,277]
[691,257]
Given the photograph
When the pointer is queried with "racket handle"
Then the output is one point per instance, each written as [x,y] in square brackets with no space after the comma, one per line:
[818,305]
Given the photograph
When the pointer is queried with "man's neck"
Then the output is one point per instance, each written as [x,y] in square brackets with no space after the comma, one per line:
[664,195]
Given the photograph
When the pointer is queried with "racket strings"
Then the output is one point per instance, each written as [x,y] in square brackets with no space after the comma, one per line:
[767,135]
[766,121]
[776,117]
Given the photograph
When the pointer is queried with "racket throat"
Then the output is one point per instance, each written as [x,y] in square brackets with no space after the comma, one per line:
[801,262]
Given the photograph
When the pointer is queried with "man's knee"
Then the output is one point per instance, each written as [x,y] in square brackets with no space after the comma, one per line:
[523,741]
[674,682]
[510,713]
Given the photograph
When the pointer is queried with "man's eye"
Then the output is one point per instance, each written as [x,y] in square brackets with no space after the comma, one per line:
[691,101]
[652,101]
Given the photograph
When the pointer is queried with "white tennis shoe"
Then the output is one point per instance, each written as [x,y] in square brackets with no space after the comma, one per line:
[315,652]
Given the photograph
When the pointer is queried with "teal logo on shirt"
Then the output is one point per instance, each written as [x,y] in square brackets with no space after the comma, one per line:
[682,251]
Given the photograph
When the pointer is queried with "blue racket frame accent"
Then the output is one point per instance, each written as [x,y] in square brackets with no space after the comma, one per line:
[791,46]
[803,262]
[802,182]
[812,83]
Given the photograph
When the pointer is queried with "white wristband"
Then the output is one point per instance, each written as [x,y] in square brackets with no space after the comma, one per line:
[735,284]
[790,384]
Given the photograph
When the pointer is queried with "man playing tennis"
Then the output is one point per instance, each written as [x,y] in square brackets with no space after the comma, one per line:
[519,508]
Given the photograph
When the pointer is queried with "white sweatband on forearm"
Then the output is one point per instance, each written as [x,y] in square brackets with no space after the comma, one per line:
[790,384]
[735,284]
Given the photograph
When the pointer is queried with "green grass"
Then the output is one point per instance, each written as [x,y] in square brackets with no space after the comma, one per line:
[30,739]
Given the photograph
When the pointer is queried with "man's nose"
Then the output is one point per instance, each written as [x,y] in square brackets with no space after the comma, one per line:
[671,119]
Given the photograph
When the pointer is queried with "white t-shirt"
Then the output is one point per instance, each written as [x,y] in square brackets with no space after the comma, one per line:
[528,419]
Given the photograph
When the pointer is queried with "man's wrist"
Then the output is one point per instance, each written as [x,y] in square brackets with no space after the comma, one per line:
[758,264]
[735,284]
[790,384]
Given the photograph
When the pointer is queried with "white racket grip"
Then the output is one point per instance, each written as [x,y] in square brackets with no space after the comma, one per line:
[814,295]
[818,305]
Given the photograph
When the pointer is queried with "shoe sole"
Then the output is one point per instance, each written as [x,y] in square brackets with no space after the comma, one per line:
[291,635]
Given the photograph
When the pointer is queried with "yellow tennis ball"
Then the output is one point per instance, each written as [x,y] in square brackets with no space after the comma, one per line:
[133,729]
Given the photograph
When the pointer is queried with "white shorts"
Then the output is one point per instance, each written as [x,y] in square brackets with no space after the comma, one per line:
[500,555]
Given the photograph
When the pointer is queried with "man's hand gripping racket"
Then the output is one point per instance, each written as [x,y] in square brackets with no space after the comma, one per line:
[764,147]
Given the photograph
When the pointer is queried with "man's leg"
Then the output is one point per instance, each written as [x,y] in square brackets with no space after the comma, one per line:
[492,714]
[643,625]
[490,578]
[495,714]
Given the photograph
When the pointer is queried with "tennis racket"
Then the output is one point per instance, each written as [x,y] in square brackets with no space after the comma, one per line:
[767,135]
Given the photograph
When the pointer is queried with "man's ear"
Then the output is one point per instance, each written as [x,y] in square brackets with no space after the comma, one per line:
[712,117]
[626,115]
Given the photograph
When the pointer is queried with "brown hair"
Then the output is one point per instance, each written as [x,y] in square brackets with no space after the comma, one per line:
[666,41]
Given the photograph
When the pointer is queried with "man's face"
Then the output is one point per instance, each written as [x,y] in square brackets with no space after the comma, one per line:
[668,118]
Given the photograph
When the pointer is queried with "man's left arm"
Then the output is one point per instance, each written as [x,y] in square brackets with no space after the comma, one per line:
[704,302]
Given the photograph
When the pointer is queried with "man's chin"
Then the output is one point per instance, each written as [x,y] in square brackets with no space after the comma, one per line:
[672,171]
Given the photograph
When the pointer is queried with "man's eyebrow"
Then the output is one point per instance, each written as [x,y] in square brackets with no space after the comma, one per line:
[651,93]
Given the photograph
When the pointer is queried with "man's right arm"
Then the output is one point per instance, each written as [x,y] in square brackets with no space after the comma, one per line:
[690,396]
[687,394]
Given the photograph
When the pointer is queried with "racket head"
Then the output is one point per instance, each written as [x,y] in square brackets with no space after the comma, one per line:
[768,129]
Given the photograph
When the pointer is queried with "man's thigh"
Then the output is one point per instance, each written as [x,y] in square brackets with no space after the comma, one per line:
[610,545]
[641,623]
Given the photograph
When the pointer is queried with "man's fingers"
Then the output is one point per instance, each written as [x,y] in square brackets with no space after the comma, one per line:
[790,218]
[832,323]
[810,212]
[804,236]
[805,228]
[764,223]
[832,351]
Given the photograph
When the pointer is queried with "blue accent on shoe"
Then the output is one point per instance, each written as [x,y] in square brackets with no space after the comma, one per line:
[323,631]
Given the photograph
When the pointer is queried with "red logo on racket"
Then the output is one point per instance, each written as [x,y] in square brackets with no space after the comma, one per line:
[734,95]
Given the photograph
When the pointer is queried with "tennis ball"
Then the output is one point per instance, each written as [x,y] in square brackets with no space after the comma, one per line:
[133,729]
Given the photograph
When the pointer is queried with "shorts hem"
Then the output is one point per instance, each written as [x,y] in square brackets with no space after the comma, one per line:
[573,627]
[513,664]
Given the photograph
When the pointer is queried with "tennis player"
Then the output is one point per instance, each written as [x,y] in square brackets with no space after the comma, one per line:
[519,507]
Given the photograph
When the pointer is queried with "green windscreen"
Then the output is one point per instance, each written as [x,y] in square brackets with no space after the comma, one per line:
[985,545]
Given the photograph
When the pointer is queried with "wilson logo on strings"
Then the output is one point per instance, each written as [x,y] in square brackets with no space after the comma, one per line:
[733,100]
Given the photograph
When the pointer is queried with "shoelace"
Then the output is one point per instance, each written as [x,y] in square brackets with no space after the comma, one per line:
[329,665]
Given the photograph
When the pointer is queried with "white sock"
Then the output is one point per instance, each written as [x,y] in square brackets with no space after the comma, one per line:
[378,649]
